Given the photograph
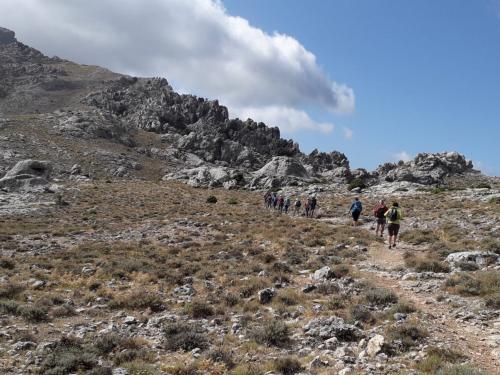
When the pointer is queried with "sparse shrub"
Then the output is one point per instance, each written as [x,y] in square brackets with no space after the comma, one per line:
[361,313]
[438,190]
[131,355]
[327,288]
[272,333]
[68,356]
[211,199]
[232,201]
[493,301]
[101,371]
[184,336]
[405,307]
[138,299]
[340,270]
[63,311]
[459,370]
[10,290]
[247,369]
[483,185]
[9,307]
[431,265]
[287,365]
[7,264]
[494,200]
[199,309]
[289,297]
[356,183]
[34,314]
[231,299]
[406,336]
[222,355]
[481,283]
[380,296]
[336,303]
[419,236]
[106,343]
[467,266]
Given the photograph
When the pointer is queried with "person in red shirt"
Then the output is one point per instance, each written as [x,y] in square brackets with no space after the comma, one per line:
[379,212]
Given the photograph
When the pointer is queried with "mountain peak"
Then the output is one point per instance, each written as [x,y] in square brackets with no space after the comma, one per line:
[7,36]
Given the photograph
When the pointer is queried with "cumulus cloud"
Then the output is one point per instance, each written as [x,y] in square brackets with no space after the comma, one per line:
[195,44]
[289,119]
[403,155]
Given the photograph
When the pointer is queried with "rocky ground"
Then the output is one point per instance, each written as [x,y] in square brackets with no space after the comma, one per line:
[101,279]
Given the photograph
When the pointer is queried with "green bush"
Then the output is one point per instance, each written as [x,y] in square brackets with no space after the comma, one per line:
[272,333]
[494,200]
[406,336]
[232,201]
[356,183]
[380,296]
[287,366]
[184,336]
[68,356]
[211,199]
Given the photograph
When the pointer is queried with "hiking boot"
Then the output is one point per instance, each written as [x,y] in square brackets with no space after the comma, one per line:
[390,246]
[394,245]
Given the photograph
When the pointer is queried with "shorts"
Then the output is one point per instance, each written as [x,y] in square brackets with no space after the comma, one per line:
[393,229]
[355,215]
[381,220]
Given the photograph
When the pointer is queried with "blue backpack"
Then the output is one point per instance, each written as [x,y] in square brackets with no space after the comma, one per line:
[357,207]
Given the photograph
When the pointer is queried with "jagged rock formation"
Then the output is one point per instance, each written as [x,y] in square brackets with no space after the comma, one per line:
[121,126]
[426,168]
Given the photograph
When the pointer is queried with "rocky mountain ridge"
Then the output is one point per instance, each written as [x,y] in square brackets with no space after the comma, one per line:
[188,138]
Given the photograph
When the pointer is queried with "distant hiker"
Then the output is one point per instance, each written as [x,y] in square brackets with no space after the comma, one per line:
[379,212]
[288,202]
[275,200]
[307,207]
[266,197]
[281,203]
[355,211]
[394,216]
[314,202]
[269,202]
[297,206]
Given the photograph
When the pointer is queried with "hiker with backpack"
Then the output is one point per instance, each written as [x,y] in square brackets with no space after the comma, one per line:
[288,202]
[394,216]
[281,203]
[275,200]
[307,206]
[314,202]
[297,206]
[379,212]
[355,211]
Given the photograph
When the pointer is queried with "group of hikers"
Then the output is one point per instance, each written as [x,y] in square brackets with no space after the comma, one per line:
[384,215]
[284,204]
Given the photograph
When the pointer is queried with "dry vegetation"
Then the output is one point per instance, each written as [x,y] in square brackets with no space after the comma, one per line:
[132,248]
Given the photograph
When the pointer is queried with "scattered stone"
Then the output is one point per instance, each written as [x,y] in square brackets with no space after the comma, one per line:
[266,295]
[375,345]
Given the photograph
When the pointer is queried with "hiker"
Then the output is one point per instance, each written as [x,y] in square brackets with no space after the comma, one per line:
[281,203]
[266,198]
[287,204]
[269,201]
[394,216]
[355,211]
[307,207]
[275,200]
[379,212]
[314,202]
[297,206]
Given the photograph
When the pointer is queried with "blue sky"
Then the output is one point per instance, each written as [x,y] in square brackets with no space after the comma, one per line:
[426,74]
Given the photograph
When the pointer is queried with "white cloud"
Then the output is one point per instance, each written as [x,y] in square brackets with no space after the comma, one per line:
[403,155]
[348,132]
[289,119]
[195,44]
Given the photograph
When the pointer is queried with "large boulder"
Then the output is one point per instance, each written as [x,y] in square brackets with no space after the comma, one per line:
[26,175]
[478,258]
[333,326]
[282,166]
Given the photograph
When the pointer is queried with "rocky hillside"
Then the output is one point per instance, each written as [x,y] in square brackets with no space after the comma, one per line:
[109,125]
